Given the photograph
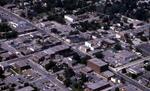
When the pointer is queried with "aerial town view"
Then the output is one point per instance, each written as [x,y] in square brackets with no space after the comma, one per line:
[74,45]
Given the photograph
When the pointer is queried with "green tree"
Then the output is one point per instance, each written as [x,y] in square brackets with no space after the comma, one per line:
[67,82]
[68,72]
[117,89]
[83,78]
[7,31]
[50,65]
[1,72]
[147,67]
[118,46]
[2,2]
[4,27]
[1,58]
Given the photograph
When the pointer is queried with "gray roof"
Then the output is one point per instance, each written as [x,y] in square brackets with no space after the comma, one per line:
[108,53]
[125,55]
[97,85]
[131,88]
[108,74]
[28,88]
[55,49]
[122,56]
[109,41]
[22,63]
[145,48]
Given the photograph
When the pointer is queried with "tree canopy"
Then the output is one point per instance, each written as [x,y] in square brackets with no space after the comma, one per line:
[6,32]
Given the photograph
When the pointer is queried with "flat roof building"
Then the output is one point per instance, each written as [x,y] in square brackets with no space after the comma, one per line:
[98,86]
[97,65]
[28,88]
[144,49]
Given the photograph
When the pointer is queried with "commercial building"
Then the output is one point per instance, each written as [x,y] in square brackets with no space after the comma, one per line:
[97,65]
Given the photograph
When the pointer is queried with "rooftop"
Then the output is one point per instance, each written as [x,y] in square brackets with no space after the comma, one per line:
[98,62]
[98,85]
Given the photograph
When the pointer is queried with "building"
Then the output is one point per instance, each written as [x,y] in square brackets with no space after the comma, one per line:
[129,87]
[86,70]
[125,56]
[21,65]
[94,44]
[56,49]
[84,48]
[97,65]
[98,86]
[108,74]
[70,18]
[144,49]
[119,58]
[28,88]
[38,57]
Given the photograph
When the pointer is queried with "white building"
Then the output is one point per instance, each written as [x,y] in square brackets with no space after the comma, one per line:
[70,18]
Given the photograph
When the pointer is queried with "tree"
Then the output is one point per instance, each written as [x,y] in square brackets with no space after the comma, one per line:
[147,67]
[1,72]
[26,84]
[4,27]
[68,72]
[10,34]
[124,71]
[117,89]
[2,2]
[54,30]
[131,26]
[57,17]
[99,55]
[83,77]
[50,65]
[76,57]
[50,4]
[1,58]
[38,7]
[41,59]
[67,82]
[70,4]
[55,68]
[118,47]
[13,85]
[7,31]
[11,89]
[106,26]
[142,14]
[77,85]
[133,76]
